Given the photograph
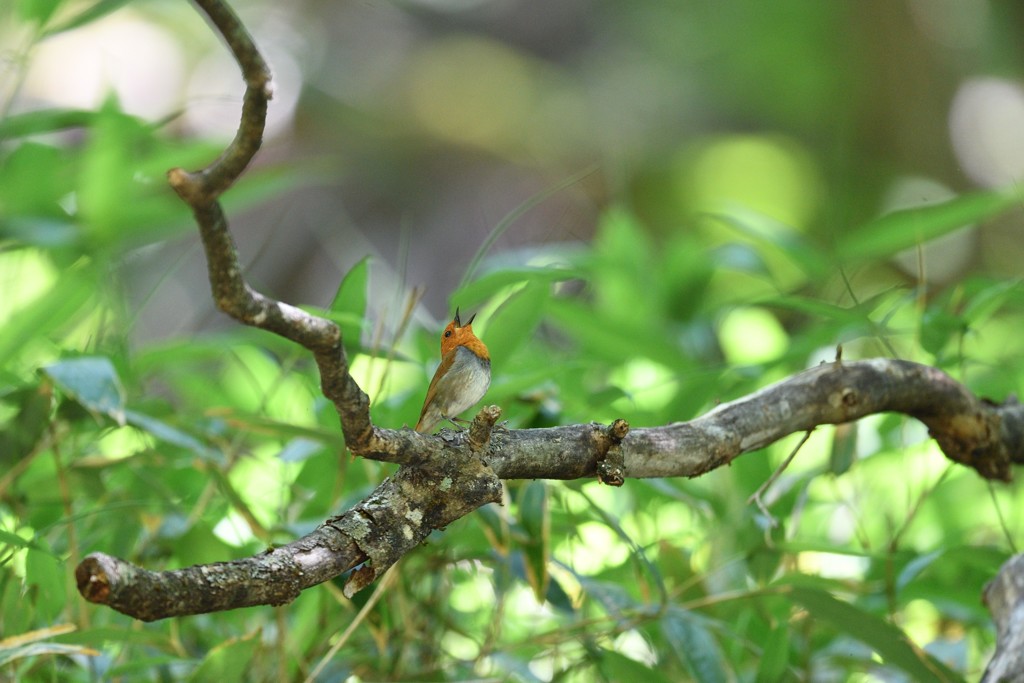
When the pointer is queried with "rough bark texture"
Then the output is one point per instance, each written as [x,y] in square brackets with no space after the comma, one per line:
[1004,596]
[446,477]
[443,478]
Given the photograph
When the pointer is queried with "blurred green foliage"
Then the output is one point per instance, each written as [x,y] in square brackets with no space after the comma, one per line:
[863,561]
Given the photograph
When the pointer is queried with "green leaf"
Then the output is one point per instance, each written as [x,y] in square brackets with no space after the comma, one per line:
[91,381]
[774,656]
[693,645]
[915,567]
[988,300]
[45,574]
[843,452]
[891,644]
[619,667]
[513,324]
[491,284]
[773,235]
[27,427]
[938,327]
[602,338]
[348,307]
[8,655]
[93,12]
[10,539]
[54,309]
[227,662]
[33,179]
[38,11]
[44,121]
[172,435]
[510,218]
[901,230]
[536,520]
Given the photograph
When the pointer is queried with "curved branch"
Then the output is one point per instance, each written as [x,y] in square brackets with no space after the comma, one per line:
[460,472]
[974,432]
[444,478]
[391,521]
[1004,597]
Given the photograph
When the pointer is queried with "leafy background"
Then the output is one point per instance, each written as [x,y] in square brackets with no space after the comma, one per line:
[652,207]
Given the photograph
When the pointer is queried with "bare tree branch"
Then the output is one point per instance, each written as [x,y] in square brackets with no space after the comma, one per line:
[1004,596]
[441,479]
[460,472]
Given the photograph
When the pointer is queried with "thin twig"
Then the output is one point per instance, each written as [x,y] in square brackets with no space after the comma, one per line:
[378,593]
[756,496]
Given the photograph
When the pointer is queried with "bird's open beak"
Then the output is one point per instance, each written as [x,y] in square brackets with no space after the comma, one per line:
[458,323]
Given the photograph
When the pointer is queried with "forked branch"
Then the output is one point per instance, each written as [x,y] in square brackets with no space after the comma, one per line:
[441,479]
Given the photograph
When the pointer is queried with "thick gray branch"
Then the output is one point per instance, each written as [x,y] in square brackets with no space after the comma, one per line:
[969,430]
[454,474]
[1004,596]
[391,521]
[444,478]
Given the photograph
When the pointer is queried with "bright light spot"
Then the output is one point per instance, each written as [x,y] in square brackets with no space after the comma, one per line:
[459,646]
[596,549]
[25,274]
[382,379]
[920,620]
[832,565]
[10,524]
[121,52]
[986,124]
[636,647]
[125,442]
[262,481]
[233,530]
[751,336]
[214,94]
[648,385]
[771,176]
[674,520]
[472,593]
[842,525]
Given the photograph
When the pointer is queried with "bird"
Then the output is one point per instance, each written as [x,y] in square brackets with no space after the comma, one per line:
[461,379]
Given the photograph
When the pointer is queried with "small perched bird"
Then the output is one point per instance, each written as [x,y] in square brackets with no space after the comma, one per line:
[461,379]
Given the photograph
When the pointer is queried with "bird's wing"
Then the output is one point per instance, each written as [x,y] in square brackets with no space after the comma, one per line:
[442,370]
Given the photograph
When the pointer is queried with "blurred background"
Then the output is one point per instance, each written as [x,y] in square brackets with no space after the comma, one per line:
[653,207]
[412,129]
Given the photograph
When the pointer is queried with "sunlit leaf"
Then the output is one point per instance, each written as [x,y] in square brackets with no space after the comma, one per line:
[38,11]
[95,11]
[515,321]
[7,538]
[479,290]
[171,435]
[888,641]
[43,121]
[348,307]
[900,230]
